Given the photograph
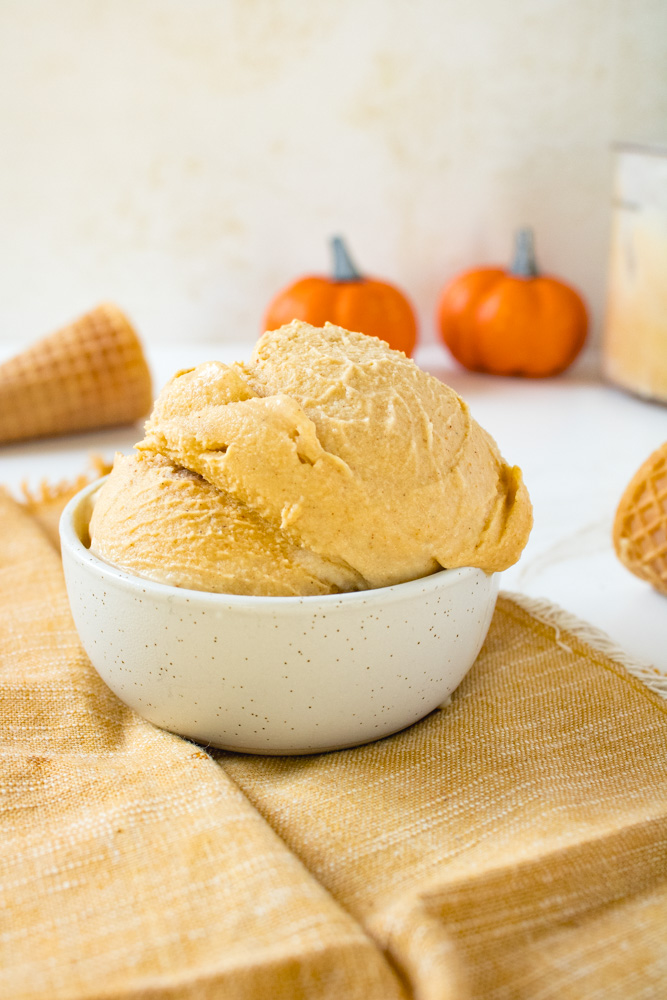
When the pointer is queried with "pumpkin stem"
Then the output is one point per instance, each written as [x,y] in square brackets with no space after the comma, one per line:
[343,268]
[524,264]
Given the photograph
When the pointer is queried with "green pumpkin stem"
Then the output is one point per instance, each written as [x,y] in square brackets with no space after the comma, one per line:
[524,264]
[343,268]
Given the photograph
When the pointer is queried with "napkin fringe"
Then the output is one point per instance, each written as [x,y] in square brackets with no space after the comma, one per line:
[46,492]
[552,615]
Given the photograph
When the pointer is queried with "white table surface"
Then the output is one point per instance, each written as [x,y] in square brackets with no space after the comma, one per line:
[577,440]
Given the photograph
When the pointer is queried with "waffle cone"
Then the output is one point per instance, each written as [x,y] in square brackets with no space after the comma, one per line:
[640,525]
[89,374]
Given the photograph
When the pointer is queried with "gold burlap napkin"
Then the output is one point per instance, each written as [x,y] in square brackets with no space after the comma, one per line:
[511,846]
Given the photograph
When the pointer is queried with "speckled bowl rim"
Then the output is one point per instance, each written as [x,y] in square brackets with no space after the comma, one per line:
[70,540]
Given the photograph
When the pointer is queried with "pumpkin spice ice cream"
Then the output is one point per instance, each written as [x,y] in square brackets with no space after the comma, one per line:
[327,463]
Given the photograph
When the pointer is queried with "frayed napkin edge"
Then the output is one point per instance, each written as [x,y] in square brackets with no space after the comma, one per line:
[560,620]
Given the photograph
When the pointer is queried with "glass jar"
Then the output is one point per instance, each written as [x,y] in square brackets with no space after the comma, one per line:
[634,354]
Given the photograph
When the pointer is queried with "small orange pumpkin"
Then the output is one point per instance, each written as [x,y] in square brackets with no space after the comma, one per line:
[515,322]
[349,300]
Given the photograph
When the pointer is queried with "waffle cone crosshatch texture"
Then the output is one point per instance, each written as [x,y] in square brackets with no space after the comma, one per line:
[89,374]
[640,525]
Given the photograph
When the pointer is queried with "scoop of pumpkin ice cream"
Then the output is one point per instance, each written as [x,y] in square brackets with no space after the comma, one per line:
[327,463]
[164,522]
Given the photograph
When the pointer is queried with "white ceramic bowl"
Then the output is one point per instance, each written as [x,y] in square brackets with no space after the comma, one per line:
[274,675]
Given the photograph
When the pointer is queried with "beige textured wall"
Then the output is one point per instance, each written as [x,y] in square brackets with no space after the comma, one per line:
[187,159]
